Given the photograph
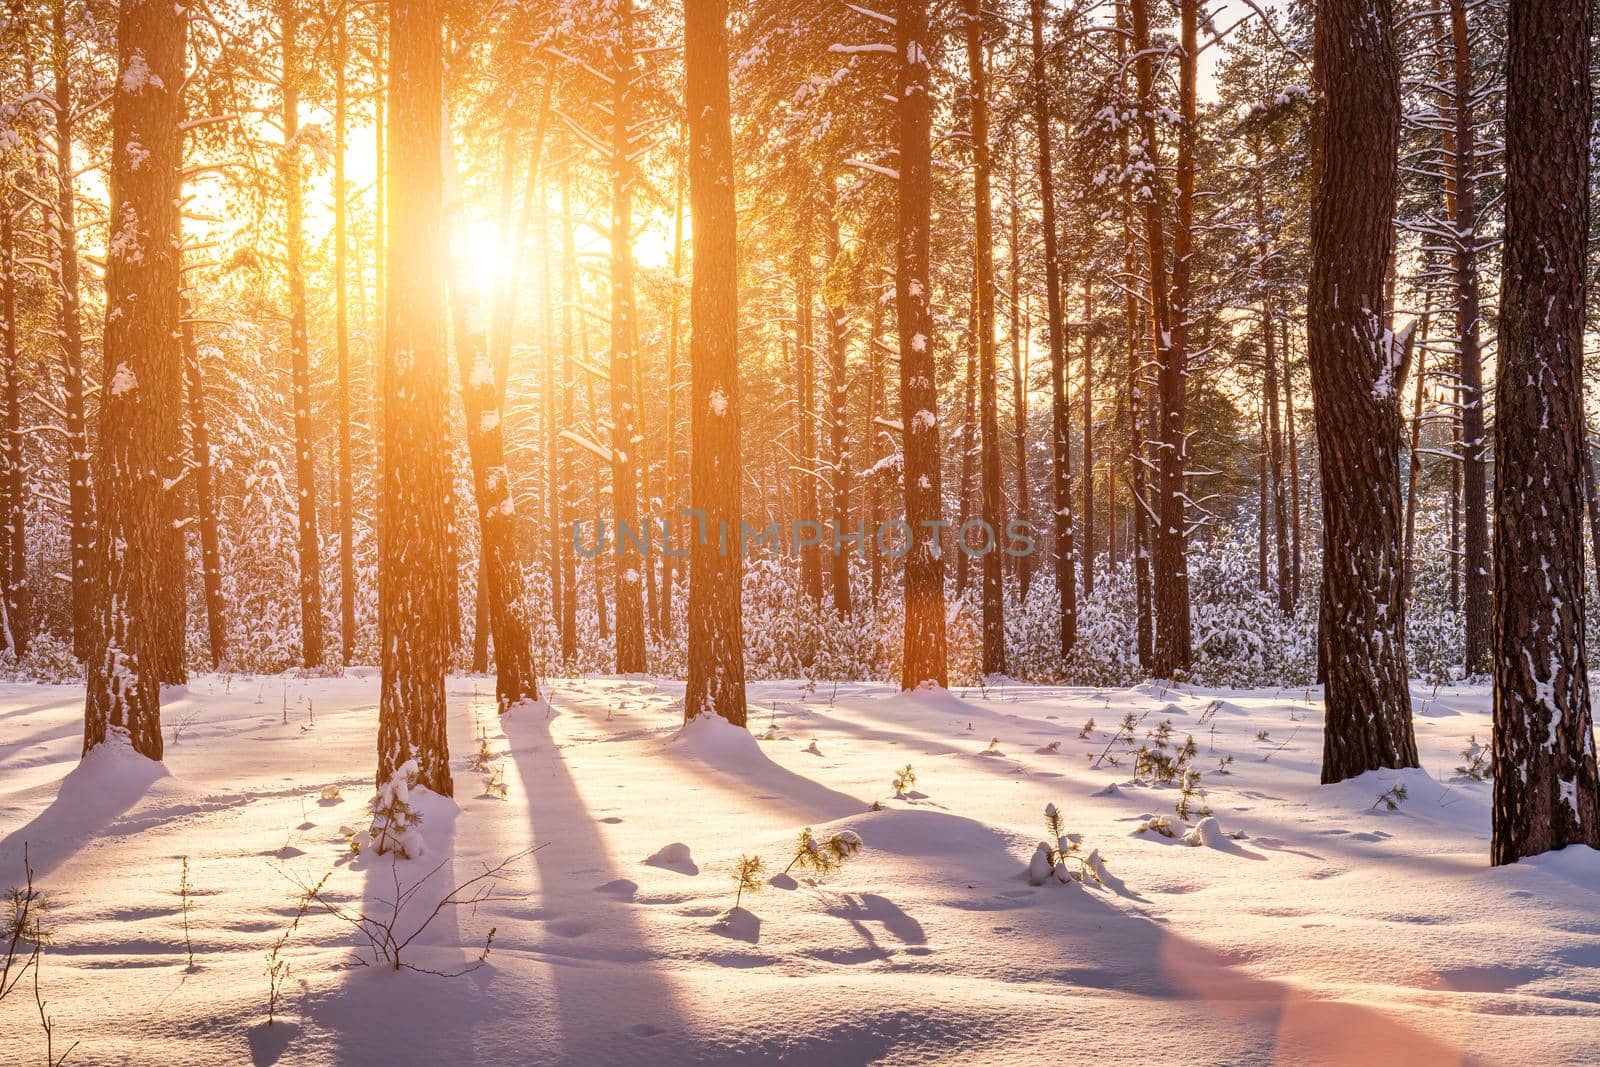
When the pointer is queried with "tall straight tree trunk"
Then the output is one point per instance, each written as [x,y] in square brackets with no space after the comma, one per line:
[1087,546]
[1294,466]
[716,657]
[1019,394]
[80,489]
[1546,790]
[674,494]
[1060,444]
[500,571]
[838,413]
[341,209]
[414,587]
[1280,509]
[299,348]
[969,435]
[923,648]
[139,437]
[806,408]
[875,408]
[1170,569]
[1356,377]
[1464,258]
[205,496]
[628,579]
[569,299]
[1591,496]
[989,488]
[1414,466]
[1138,475]
[13,527]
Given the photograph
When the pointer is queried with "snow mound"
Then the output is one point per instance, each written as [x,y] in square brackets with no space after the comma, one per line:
[718,742]
[1207,833]
[674,857]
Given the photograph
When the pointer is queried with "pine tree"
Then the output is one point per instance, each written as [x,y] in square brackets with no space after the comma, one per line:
[138,438]
[414,588]
[1546,792]
[716,566]
[1357,370]
[923,648]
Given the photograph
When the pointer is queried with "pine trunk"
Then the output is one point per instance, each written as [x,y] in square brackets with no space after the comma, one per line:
[205,496]
[628,579]
[1546,792]
[139,438]
[716,656]
[1356,375]
[414,586]
[300,351]
[341,209]
[923,647]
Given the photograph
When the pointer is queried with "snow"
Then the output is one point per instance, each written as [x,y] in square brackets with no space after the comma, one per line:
[1312,925]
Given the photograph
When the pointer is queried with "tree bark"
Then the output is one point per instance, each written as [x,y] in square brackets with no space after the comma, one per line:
[80,489]
[628,578]
[1464,260]
[923,650]
[838,413]
[1356,376]
[1546,790]
[205,496]
[716,656]
[414,586]
[1060,444]
[990,490]
[139,437]
[13,528]
[299,348]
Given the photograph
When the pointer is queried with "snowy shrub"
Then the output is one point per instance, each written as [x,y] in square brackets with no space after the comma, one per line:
[1063,861]
[394,820]
[1477,761]
[904,779]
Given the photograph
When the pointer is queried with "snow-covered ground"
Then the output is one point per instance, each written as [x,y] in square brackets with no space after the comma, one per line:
[1317,927]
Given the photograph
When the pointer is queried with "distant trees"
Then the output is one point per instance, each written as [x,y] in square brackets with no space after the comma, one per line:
[1546,792]
[414,587]
[716,565]
[1357,372]
[138,441]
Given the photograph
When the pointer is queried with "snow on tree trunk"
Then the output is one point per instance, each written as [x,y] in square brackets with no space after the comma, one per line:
[13,528]
[414,587]
[347,519]
[139,434]
[1546,795]
[716,639]
[923,651]
[1356,376]
[838,415]
[501,585]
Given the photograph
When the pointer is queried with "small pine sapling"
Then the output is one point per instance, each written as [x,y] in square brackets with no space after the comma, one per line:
[394,820]
[904,779]
[825,856]
[1262,735]
[1223,764]
[1088,729]
[1064,860]
[994,744]
[1391,798]
[1477,761]
[747,874]
[1162,734]
[1191,798]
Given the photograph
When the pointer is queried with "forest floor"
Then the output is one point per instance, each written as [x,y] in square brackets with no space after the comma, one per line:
[1318,927]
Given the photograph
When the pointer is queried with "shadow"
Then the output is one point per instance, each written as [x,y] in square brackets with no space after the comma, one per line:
[268,1043]
[860,909]
[103,786]
[588,981]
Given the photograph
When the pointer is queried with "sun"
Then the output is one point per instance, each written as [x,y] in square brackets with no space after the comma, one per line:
[486,257]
